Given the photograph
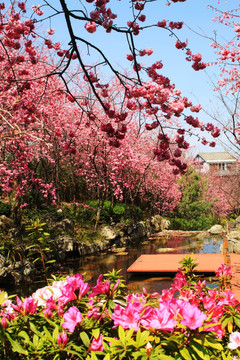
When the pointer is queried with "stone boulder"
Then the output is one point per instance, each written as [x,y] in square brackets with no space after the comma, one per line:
[64,226]
[216,230]
[233,246]
[109,233]
[165,224]
[2,261]
[66,246]
[234,234]
[156,223]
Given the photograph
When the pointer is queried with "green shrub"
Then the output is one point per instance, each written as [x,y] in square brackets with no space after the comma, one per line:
[119,211]
[201,222]
[5,209]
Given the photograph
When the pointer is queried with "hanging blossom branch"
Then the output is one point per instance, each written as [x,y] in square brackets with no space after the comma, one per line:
[147,91]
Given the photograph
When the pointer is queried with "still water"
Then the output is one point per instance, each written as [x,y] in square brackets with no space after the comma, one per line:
[94,265]
[101,263]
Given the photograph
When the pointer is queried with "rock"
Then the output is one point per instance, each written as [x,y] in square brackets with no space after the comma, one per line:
[234,235]
[236,247]
[6,223]
[65,226]
[165,224]
[237,220]
[28,268]
[67,244]
[109,233]
[156,222]
[216,230]
[140,230]
[2,261]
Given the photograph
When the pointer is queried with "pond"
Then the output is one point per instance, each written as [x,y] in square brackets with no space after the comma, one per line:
[94,265]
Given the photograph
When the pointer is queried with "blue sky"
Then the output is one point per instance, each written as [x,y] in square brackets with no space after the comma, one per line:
[197,18]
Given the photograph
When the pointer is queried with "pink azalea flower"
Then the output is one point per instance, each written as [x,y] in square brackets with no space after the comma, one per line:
[45,293]
[47,313]
[234,338]
[72,318]
[62,340]
[160,319]
[97,344]
[129,317]
[193,317]
[224,270]
[100,288]
[68,295]
[179,281]
[4,323]
[28,306]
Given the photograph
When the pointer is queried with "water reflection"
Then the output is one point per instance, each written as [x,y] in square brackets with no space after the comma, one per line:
[94,265]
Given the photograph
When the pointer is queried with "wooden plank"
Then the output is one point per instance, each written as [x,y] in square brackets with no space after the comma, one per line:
[169,263]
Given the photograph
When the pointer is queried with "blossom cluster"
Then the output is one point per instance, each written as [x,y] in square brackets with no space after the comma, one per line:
[69,306]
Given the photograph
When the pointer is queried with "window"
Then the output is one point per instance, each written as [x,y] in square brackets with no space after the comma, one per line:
[222,166]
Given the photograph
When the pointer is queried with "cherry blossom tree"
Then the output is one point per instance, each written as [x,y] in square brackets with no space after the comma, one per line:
[144,90]
[227,86]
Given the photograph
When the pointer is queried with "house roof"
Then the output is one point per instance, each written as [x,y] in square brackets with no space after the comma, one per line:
[217,157]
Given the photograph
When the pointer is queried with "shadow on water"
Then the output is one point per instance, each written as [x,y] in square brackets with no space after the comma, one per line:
[94,265]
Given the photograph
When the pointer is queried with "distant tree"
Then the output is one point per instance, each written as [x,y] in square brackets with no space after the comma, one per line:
[227,85]
[195,210]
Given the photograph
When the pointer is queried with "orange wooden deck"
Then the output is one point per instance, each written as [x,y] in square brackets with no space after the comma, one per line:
[169,263]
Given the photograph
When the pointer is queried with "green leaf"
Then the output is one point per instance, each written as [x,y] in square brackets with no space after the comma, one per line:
[213,343]
[50,261]
[107,357]
[141,338]
[24,335]
[111,304]
[185,354]
[199,350]
[47,333]
[121,335]
[237,321]
[130,333]
[96,333]
[34,329]
[85,339]
[16,347]
[3,297]
[93,356]
[35,341]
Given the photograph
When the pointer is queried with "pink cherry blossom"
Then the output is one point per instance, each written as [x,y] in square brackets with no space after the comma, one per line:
[91,27]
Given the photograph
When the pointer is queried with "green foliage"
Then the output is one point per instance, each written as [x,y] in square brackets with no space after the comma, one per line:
[5,209]
[86,213]
[39,250]
[194,211]
[202,222]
